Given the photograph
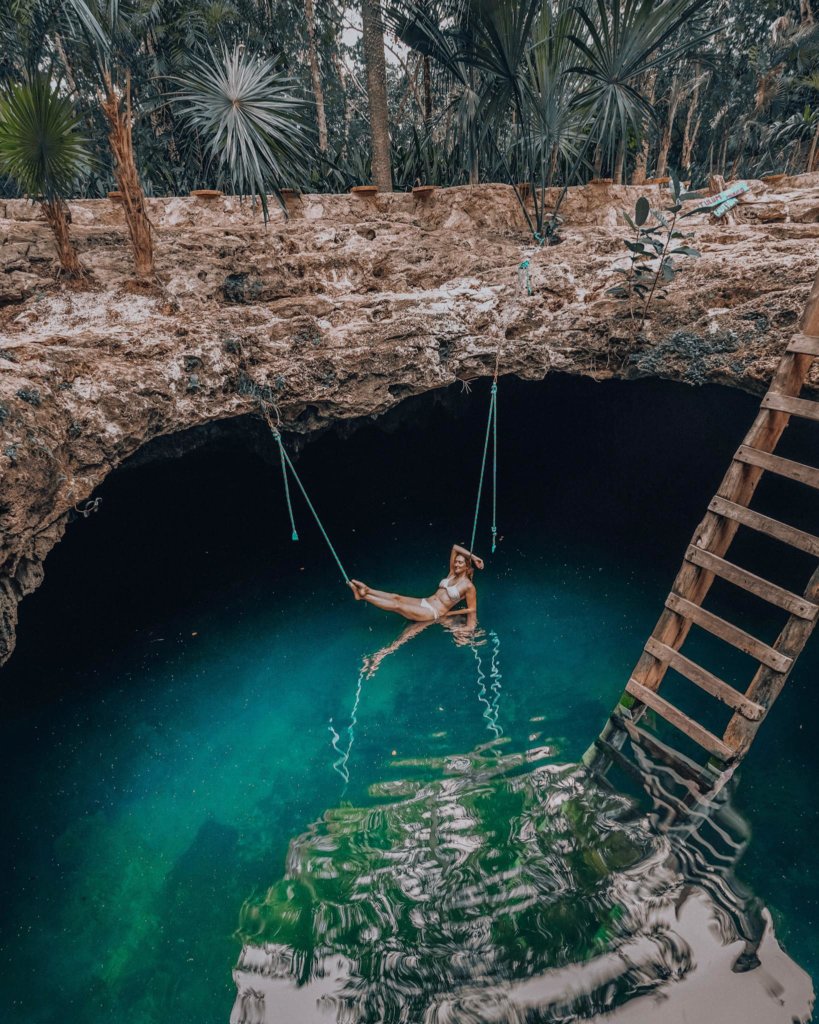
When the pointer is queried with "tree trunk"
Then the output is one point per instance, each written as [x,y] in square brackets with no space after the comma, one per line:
[674,98]
[133,198]
[690,130]
[373,31]
[619,161]
[740,153]
[553,164]
[474,162]
[598,161]
[315,74]
[55,212]
[69,71]
[341,71]
[723,158]
[812,151]
[427,91]
[641,161]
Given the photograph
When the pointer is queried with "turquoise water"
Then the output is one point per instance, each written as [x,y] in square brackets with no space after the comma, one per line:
[188,699]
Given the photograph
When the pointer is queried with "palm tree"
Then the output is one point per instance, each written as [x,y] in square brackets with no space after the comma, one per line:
[254,126]
[112,31]
[373,32]
[315,74]
[434,31]
[621,42]
[43,150]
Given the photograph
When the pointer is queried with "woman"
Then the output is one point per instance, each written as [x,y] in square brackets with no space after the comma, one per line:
[455,588]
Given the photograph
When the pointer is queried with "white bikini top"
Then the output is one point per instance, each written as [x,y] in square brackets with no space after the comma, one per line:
[453,592]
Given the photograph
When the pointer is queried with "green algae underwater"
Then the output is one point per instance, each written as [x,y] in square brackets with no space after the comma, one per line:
[201,775]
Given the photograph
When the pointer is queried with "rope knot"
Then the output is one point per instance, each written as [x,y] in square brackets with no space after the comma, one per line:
[494,389]
[524,276]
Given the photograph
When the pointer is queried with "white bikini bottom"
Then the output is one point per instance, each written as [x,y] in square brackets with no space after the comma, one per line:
[428,607]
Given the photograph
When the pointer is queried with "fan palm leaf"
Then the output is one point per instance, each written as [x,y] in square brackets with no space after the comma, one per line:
[41,145]
[621,41]
[254,123]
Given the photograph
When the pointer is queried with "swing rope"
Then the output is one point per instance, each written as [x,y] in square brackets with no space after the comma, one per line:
[491,429]
[287,464]
[494,468]
[294,534]
[319,523]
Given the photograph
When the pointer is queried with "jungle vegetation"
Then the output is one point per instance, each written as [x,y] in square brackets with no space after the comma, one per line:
[160,97]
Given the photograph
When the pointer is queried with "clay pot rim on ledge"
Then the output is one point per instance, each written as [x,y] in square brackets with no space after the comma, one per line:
[115,196]
[662,180]
[364,190]
[773,177]
[423,190]
[600,181]
[206,193]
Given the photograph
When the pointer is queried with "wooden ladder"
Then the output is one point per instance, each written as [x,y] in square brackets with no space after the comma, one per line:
[705,560]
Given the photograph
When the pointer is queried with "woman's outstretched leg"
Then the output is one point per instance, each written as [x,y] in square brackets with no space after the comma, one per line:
[409,607]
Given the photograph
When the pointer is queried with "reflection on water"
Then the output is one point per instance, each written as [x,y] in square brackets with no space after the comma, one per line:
[490,696]
[501,887]
[340,765]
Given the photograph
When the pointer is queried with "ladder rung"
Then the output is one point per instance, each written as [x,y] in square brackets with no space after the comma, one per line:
[764,524]
[776,464]
[804,344]
[731,634]
[681,721]
[705,680]
[795,406]
[754,584]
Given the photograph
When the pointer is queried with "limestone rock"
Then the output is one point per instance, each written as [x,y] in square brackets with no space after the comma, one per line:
[342,310]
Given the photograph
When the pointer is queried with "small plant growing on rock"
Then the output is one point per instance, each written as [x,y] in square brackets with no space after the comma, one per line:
[654,246]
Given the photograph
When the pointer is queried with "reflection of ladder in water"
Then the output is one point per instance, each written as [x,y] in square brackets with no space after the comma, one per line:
[705,559]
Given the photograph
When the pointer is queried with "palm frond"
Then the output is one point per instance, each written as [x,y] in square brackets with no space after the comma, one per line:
[253,121]
[41,145]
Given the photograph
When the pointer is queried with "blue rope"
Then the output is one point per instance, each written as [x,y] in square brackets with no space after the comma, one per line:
[494,467]
[524,266]
[294,534]
[492,420]
[296,477]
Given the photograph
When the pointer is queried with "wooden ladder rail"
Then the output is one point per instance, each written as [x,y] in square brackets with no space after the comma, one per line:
[714,536]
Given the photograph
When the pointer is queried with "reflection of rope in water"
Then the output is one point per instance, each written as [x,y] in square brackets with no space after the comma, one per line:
[495,676]
[340,765]
[492,703]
